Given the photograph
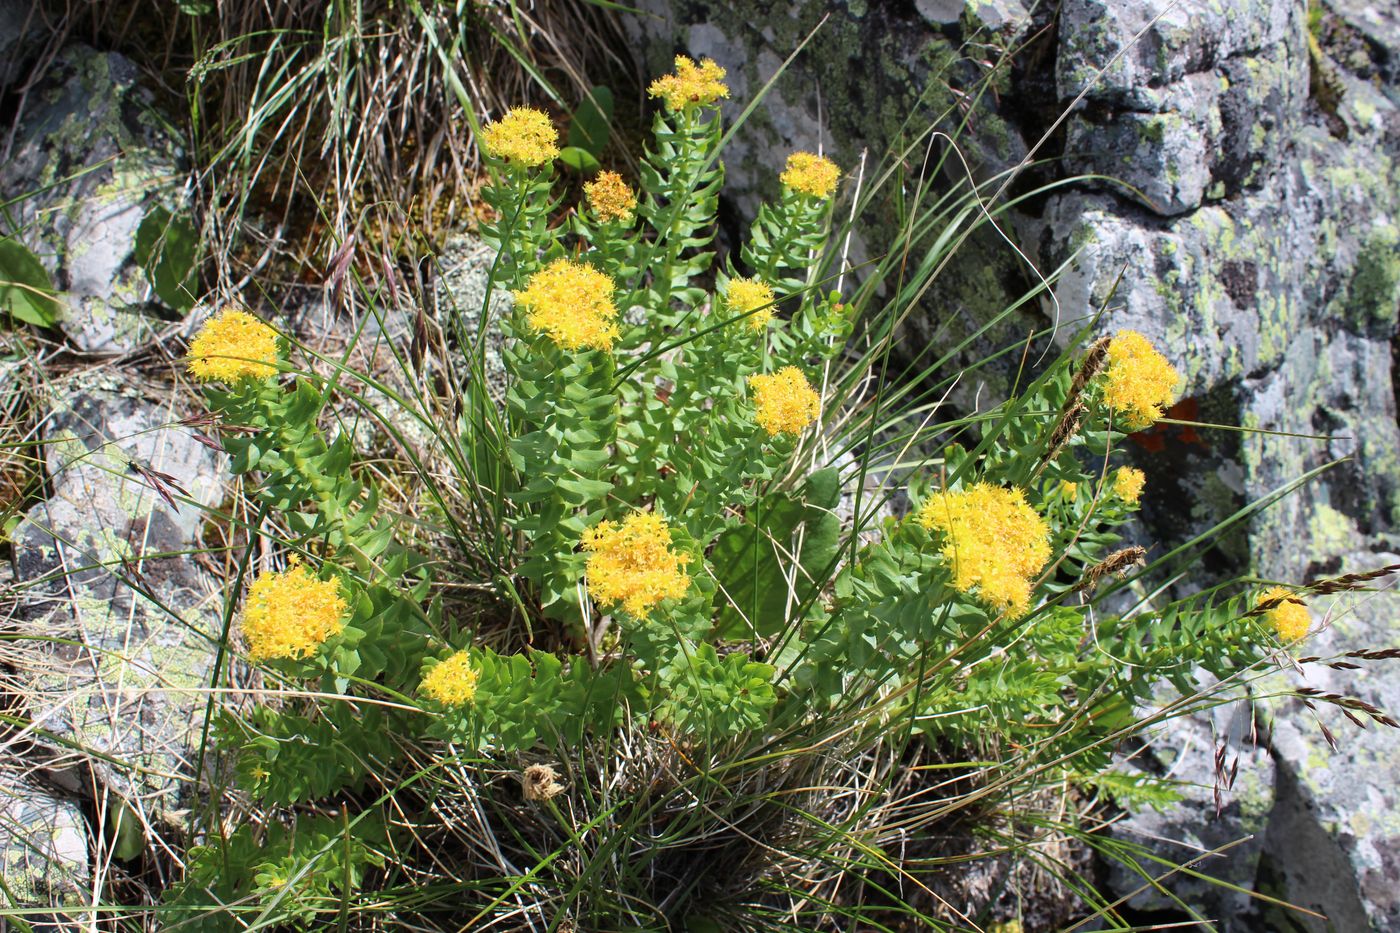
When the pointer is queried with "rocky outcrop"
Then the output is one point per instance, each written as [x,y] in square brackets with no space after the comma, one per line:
[90,160]
[43,850]
[117,632]
[1227,176]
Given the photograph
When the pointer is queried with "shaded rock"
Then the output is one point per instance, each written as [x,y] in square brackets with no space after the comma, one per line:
[90,160]
[1325,387]
[43,849]
[119,624]
[1334,839]
[1226,804]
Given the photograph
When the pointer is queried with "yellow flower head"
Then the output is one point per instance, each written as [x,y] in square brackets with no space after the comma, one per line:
[692,85]
[523,137]
[451,682]
[610,198]
[1139,383]
[1069,491]
[572,303]
[750,295]
[1290,617]
[1128,483]
[993,540]
[233,346]
[784,401]
[631,563]
[289,614]
[811,174]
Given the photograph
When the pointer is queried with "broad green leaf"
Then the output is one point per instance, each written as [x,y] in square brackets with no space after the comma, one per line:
[166,247]
[592,123]
[754,566]
[26,292]
[580,160]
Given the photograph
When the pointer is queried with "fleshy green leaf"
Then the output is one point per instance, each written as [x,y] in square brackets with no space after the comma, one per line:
[26,291]
[592,123]
[166,248]
[580,160]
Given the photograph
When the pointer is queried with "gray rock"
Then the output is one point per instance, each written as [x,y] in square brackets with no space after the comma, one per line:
[43,849]
[1334,839]
[464,270]
[1163,157]
[1221,809]
[119,623]
[91,158]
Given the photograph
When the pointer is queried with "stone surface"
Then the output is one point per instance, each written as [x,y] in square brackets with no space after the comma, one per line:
[1240,784]
[43,846]
[120,621]
[1238,163]
[464,271]
[1344,801]
[90,158]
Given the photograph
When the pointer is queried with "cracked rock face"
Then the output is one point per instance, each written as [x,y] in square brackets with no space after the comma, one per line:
[91,157]
[1252,204]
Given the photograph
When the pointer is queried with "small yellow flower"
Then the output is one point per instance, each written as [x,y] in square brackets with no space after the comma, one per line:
[1128,483]
[692,85]
[1069,491]
[451,682]
[289,614]
[750,295]
[811,174]
[572,303]
[523,137]
[1139,383]
[610,198]
[631,563]
[785,401]
[233,346]
[1290,617]
[994,541]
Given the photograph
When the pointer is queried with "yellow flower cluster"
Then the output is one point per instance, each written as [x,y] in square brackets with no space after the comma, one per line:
[289,614]
[631,563]
[233,346]
[785,401]
[523,137]
[1139,383]
[1128,483]
[750,295]
[1290,618]
[572,303]
[1069,491]
[610,198]
[993,540]
[811,174]
[451,682]
[692,85]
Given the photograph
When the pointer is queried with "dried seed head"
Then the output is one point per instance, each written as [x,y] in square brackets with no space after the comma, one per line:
[1093,365]
[1351,581]
[1116,563]
[540,782]
[1065,430]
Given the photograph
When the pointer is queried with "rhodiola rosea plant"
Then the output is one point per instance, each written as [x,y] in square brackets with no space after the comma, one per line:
[659,483]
